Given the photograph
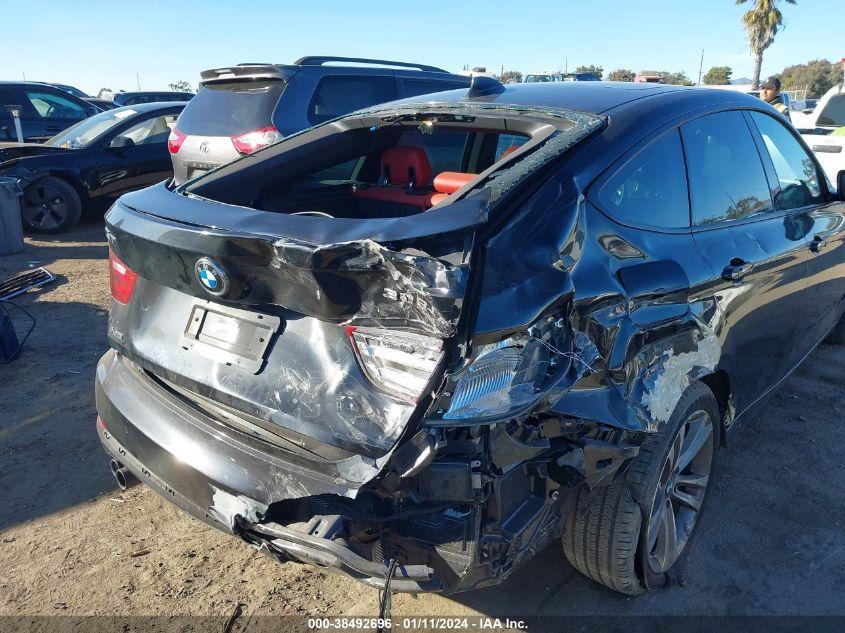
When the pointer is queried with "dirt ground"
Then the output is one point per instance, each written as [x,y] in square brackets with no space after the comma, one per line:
[72,544]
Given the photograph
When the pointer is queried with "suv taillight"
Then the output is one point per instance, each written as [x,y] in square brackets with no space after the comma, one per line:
[248,142]
[400,363]
[175,140]
[121,279]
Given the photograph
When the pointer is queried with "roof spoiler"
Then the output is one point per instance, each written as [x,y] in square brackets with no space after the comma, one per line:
[320,60]
[246,72]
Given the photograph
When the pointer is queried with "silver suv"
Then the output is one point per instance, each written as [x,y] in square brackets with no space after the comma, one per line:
[245,107]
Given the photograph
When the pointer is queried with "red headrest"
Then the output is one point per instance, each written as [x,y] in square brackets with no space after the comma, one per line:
[402,165]
[451,181]
[509,150]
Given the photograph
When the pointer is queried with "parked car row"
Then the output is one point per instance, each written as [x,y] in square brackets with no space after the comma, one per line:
[237,111]
[90,164]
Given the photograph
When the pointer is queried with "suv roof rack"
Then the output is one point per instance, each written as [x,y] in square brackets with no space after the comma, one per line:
[319,60]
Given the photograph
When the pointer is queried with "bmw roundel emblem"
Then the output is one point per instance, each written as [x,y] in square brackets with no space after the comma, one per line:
[212,277]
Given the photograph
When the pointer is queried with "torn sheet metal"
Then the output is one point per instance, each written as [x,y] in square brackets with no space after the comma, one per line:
[310,397]
[352,282]
[672,372]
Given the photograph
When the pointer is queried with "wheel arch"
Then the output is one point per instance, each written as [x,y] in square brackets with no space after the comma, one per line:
[719,382]
[70,178]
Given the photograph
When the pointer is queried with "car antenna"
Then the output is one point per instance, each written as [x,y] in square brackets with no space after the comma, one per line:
[482,86]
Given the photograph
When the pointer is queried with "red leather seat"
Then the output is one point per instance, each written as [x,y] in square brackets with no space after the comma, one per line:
[448,182]
[405,178]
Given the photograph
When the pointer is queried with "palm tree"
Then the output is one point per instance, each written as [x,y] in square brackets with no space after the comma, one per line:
[762,22]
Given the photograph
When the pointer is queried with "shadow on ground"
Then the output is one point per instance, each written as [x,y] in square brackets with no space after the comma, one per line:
[50,458]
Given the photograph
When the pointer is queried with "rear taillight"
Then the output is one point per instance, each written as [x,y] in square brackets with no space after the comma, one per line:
[121,279]
[175,140]
[400,363]
[248,142]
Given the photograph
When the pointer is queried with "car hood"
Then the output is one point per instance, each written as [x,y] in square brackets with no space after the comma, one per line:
[9,151]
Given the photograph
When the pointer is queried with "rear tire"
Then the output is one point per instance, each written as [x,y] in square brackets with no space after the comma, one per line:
[613,534]
[837,334]
[50,205]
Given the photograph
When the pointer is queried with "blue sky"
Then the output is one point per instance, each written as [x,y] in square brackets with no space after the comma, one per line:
[97,43]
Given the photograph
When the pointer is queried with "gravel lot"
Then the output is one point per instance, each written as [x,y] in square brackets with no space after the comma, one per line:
[72,544]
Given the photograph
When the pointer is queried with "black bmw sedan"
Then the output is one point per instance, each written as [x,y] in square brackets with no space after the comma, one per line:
[419,343]
[90,164]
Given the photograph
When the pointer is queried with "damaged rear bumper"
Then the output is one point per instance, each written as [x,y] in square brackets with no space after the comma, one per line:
[454,526]
[219,480]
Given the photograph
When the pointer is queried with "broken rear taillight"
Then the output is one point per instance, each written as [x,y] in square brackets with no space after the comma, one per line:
[121,279]
[399,363]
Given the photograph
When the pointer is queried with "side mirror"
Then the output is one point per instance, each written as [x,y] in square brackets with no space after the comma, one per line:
[121,142]
[840,185]
[807,111]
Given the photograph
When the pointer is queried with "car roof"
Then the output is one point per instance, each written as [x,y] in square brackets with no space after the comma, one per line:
[594,97]
[7,82]
[319,64]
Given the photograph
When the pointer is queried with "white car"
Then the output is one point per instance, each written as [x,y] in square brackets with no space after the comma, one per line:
[824,131]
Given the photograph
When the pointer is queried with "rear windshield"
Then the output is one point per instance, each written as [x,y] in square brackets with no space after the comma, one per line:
[231,108]
[834,112]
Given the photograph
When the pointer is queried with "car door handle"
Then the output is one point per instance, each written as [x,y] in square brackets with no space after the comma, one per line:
[818,243]
[53,128]
[736,269]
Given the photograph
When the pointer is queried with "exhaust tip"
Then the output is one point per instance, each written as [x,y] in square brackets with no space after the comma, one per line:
[122,475]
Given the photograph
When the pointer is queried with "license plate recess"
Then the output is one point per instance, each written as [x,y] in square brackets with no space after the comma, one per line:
[228,335]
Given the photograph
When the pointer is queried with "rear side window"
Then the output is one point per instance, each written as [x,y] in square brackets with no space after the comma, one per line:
[508,143]
[414,87]
[445,148]
[834,112]
[7,98]
[651,188]
[795,169]
[232,108]
[726,176]
[339,95]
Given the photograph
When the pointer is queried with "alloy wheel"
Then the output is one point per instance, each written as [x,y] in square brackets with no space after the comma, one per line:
[43,207]
[680,491]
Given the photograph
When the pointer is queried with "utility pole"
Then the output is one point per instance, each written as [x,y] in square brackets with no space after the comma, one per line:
[700,66]
[24,75]
[138,77]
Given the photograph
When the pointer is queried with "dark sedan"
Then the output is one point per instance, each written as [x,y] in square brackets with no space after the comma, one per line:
[419,343]
[90,164]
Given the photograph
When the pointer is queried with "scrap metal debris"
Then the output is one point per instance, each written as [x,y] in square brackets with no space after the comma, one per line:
[24,282]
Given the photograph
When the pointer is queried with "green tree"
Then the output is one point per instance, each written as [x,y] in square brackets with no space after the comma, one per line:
[718,76]
[621,74]
[762,22]
[676,79]
[592,68]
[511,76]
[180,86]
[816,76]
